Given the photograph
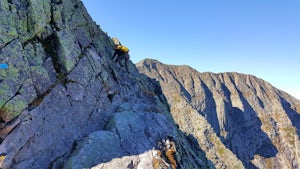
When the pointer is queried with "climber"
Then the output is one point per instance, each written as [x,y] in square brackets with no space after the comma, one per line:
[122,53]
[158,162]
[2,158]
[170,151]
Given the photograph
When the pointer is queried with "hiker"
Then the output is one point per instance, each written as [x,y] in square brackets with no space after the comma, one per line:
[158,162]
[170,151]
[122,53]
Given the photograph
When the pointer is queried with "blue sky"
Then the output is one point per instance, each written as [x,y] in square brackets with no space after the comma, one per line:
[257,37]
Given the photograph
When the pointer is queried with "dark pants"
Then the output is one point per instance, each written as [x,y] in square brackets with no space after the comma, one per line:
[120,57]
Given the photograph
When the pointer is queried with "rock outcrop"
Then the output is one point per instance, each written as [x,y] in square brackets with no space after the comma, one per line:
[232,116]
[65,104]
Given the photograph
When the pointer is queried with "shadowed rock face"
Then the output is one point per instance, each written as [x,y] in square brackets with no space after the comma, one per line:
[231,115]
[65,104]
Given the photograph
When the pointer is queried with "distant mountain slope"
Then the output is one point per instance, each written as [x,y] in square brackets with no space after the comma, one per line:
[232,114]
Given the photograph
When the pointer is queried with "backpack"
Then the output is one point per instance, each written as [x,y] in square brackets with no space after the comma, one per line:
[124,49]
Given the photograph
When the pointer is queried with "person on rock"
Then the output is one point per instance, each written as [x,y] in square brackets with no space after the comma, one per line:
[170,151]
[122,53]
[158,162]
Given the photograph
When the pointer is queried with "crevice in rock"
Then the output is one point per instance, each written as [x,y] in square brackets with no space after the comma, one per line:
[7,43]
[5,130]
[30,40]
[35,86]
[19,149]
[121,142]
[50,46]
[80,45]
[71,17]
[91,61]
[10,5]
[31,75]
[61,77]
[114,76]
[102,81]
[90,41]
[59,161]
[16,94]
[57,2]
[36,102]
[52,21]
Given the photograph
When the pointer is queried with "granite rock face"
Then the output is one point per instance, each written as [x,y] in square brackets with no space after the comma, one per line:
[233,116]
[65,104]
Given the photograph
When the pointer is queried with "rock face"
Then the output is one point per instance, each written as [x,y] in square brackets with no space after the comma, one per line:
[232,116]
[65,104]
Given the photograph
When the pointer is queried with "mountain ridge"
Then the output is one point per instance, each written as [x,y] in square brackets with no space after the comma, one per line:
[228,101]
[190,67]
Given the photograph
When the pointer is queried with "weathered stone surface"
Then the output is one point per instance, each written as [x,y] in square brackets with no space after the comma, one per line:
[68,50]
[97,147]
[231,114]
[8,31]
[129,134]
[136,161]
[129,142]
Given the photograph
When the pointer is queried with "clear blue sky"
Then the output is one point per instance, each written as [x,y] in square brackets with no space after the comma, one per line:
[257,37]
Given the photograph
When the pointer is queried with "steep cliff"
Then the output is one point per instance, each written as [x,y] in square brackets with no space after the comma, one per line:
[65,104]
[232,115]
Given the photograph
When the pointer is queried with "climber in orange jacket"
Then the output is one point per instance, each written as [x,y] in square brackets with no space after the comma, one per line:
[122,53]
[170,151]
[158,162]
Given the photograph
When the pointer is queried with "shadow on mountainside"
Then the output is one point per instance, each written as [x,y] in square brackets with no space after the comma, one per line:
[225,104]
[209,112]
[247,131]
[244,135]
[132,134]
[293,115]
[188,155]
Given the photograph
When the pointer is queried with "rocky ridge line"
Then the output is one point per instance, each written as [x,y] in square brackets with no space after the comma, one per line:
[231,114]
